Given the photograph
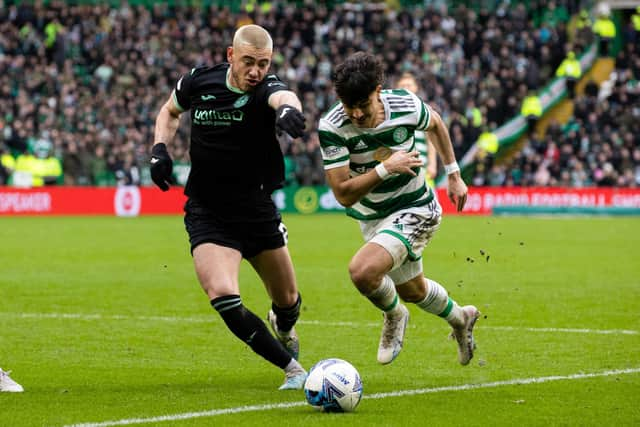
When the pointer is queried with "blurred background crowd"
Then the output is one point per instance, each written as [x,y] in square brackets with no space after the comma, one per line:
[81,84]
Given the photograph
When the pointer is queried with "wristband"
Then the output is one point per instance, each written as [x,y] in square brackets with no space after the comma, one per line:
[382,172]
[451,168]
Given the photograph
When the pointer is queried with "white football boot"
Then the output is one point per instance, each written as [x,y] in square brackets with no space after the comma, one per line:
[294,380]
[7,384]
[464,334]
[288,339]
[392,335]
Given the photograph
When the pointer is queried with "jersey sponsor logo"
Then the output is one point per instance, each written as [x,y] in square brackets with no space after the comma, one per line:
[400,134]
[360,145]
[212,117]
[331,151]
[207,97]
[382,153]
[242,101]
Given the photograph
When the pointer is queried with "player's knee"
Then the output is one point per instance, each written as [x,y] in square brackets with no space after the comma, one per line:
[363,276]
[216,288]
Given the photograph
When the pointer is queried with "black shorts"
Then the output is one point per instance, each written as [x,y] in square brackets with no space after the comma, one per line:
[249,237]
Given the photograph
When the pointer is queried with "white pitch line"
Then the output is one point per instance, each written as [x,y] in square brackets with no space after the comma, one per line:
[270,406]
[209,319]
[568,330]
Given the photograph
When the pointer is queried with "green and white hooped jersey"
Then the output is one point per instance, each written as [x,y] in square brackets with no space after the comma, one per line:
[343,143]
[421,145]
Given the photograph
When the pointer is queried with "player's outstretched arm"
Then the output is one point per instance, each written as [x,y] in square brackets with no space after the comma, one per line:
[456,188]
[167,123]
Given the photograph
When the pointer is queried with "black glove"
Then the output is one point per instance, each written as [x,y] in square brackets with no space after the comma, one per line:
[290,120]
[161,166]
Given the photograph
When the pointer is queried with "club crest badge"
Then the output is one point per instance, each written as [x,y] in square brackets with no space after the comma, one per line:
[400,134]
[241,102]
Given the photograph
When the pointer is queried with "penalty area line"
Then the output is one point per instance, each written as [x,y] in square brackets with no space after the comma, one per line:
[270,406]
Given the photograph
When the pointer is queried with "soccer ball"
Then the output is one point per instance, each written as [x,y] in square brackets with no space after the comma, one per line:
[333,385]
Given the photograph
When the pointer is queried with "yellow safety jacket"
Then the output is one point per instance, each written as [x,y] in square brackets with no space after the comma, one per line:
[8,162]
[39,168]
[635,20]
[488,141]
[531,106]
[604,27]
[570,68]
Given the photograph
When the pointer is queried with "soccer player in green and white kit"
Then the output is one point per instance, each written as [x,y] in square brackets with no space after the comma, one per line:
[371,164]
[425,147]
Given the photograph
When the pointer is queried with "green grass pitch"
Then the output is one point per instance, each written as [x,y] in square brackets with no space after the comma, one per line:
[103,323]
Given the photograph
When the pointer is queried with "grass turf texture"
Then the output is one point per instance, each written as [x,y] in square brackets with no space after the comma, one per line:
[102,319]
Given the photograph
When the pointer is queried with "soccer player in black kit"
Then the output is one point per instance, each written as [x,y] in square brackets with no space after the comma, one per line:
[236,163]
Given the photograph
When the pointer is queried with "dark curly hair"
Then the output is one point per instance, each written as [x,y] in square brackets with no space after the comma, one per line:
[357,77]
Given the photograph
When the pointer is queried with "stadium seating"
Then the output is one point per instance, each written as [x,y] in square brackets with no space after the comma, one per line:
[97,74]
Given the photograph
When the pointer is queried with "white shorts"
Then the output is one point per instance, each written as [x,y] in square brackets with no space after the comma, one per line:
[404,234]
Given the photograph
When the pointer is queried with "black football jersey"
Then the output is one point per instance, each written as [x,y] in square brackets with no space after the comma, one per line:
[234,150]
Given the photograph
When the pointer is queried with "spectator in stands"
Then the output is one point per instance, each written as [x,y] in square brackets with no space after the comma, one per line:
[635,22]
[37,166]
[571,70]
[98,169]
[531,110]
[598,146]
[128,172]
[7,165]
[101,51]
[605,29]
[47,166]
[583,26]
[75,164]
[488,141]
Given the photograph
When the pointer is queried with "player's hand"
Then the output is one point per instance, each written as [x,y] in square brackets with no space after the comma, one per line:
[290,120]
[161,166]
[403,162]
[457,191]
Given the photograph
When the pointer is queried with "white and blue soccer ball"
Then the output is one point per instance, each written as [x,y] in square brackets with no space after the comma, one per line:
[333,385]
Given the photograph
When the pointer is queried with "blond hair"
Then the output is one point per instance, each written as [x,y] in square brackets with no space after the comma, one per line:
[253,35]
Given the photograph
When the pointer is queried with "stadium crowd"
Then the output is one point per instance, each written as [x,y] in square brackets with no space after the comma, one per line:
[82,83]
[598,146]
